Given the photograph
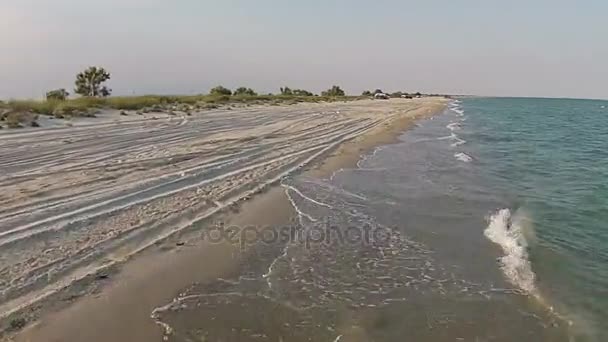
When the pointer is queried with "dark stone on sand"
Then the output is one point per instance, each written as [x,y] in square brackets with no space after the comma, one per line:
[102,275]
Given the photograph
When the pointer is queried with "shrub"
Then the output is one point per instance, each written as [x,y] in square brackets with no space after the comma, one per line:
[57,94]
[245,91]
[286,91]
[12,121]
[217,99]
[220,90]
[302,92]
[40,107]
[333,92]
[73,108]
[17,324]
[20,119]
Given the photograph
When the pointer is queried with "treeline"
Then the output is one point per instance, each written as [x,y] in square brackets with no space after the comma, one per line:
[93,94]
[90,83]
[283,91]
[393,94]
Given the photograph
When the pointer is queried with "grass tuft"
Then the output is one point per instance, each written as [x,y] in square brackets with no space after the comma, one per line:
[17,324]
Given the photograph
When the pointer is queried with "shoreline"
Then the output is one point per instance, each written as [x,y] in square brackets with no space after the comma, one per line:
[151,278]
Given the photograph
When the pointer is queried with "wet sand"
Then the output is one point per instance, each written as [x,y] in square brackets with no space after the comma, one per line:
[116,304]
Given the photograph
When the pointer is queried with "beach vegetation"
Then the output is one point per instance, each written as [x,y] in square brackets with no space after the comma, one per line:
[17,119]
[286,91]
[17,324]
[302,92]
[334,91]
[220,90]
[87,106]
[57,94]
[90,82]
[243,91]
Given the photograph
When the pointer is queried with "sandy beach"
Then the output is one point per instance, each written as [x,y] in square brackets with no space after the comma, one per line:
[101,222]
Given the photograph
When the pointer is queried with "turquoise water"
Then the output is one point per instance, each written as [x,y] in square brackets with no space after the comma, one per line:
[548,158]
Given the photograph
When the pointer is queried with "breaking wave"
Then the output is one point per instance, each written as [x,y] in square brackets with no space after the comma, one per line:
[513,235]
[456,108]
[455,126]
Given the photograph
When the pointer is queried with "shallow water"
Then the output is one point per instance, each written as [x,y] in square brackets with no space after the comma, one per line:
[450,234]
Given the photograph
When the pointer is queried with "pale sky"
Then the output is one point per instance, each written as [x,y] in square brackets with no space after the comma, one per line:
[550,48]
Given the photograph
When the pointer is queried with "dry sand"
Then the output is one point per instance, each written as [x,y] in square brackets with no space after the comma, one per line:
[79,202]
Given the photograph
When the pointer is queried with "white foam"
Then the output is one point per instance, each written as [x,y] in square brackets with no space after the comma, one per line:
[451,136]
[453,126]
[463,157]
[301,214]
[458,142]
[294,189]
[509,232]
[455,107]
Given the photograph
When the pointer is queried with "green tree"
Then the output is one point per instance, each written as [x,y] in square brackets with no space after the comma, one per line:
[57,94]
[89,82]
[333,91]
[245,91]
[220,90]
[378,91]
[286,91]
[366,93]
